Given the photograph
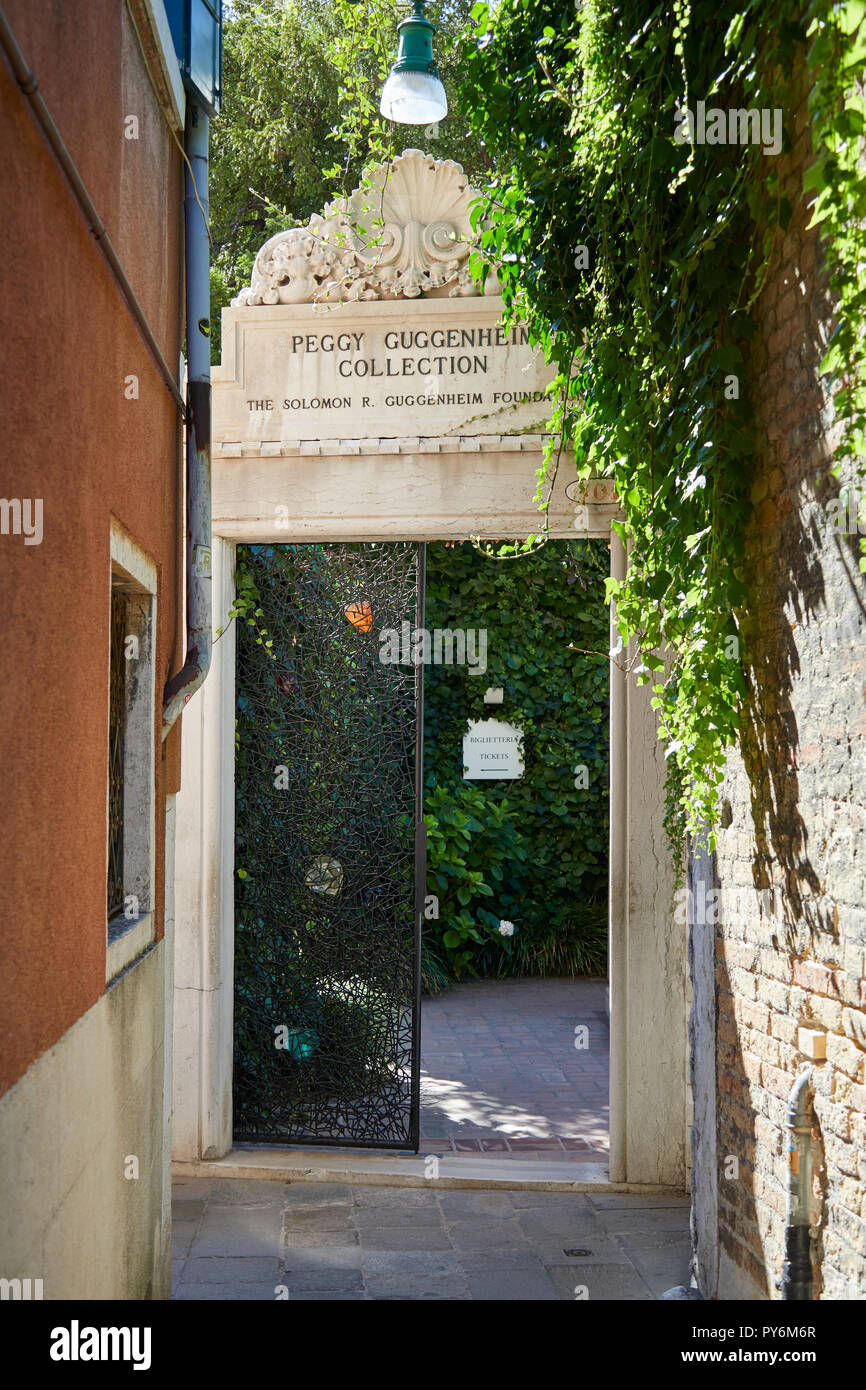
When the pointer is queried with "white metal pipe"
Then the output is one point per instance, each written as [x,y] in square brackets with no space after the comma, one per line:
[797,1269]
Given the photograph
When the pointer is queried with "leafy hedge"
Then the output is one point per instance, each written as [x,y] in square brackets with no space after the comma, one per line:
[532,851]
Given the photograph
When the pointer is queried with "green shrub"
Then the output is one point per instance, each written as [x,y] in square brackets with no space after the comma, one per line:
[473,856]
[532,851]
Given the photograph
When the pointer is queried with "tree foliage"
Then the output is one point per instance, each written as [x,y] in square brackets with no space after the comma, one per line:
[300,119]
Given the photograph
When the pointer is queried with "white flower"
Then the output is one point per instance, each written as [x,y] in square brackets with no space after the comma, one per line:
[506,928]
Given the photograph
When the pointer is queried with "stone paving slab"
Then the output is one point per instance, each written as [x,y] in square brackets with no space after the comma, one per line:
[601,1282]
[335,1241]
[549,1224]
[486,1233]
[313,1239]
[454,1205]
[309,1295]
[314,1193]
[405,1199]
[405,1238]
[513,1284]
[382,1218]
[414,1286]
[325,1258]
[653,1261]
[226,1293]
[324,1280]
[658,1223]
[183,1234]
[255,1193]
[237,1230]
[231,1269]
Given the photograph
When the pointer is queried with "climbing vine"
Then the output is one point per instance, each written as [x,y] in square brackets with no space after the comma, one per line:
[635,253]
[837,60]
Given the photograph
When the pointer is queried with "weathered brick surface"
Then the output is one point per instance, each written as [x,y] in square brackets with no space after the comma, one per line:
[792,863]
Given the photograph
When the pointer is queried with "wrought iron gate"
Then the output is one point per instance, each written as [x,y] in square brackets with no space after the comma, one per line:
[329,847]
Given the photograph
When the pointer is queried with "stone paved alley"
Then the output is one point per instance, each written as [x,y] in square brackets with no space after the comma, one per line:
[251,1240]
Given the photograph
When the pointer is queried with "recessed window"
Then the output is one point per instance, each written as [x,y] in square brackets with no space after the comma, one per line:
[116,731]
[131,719]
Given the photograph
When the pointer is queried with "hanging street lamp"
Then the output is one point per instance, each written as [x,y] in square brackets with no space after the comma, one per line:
[413,93]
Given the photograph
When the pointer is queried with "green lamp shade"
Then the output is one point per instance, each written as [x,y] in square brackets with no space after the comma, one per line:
[413,93]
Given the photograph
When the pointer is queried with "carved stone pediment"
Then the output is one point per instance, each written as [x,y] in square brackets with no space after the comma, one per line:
[404,234]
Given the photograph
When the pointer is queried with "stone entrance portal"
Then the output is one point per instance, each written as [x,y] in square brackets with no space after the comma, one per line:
[369,392]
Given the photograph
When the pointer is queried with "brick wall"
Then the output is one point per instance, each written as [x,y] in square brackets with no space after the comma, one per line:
[791,858]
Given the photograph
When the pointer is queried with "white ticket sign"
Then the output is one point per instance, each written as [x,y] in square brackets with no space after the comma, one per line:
[492,749]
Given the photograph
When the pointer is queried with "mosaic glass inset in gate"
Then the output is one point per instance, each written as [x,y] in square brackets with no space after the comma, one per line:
[330,874]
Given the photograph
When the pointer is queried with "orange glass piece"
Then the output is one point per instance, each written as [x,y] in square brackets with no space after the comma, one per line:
[360,615]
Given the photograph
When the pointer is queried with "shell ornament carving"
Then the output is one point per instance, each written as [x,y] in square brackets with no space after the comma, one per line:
[404,234]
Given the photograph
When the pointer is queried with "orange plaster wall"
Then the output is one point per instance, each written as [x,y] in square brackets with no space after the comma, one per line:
[69,436]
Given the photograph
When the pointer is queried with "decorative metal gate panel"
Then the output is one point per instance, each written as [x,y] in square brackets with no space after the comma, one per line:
[329,847]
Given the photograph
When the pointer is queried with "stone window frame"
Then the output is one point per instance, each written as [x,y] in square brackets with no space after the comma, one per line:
[134,573]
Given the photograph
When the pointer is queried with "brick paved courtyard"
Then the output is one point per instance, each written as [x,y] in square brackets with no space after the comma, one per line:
[501,1074]
[247,1240]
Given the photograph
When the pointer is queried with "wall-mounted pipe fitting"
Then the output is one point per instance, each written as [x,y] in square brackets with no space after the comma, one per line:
[199,606]
[796,1283]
